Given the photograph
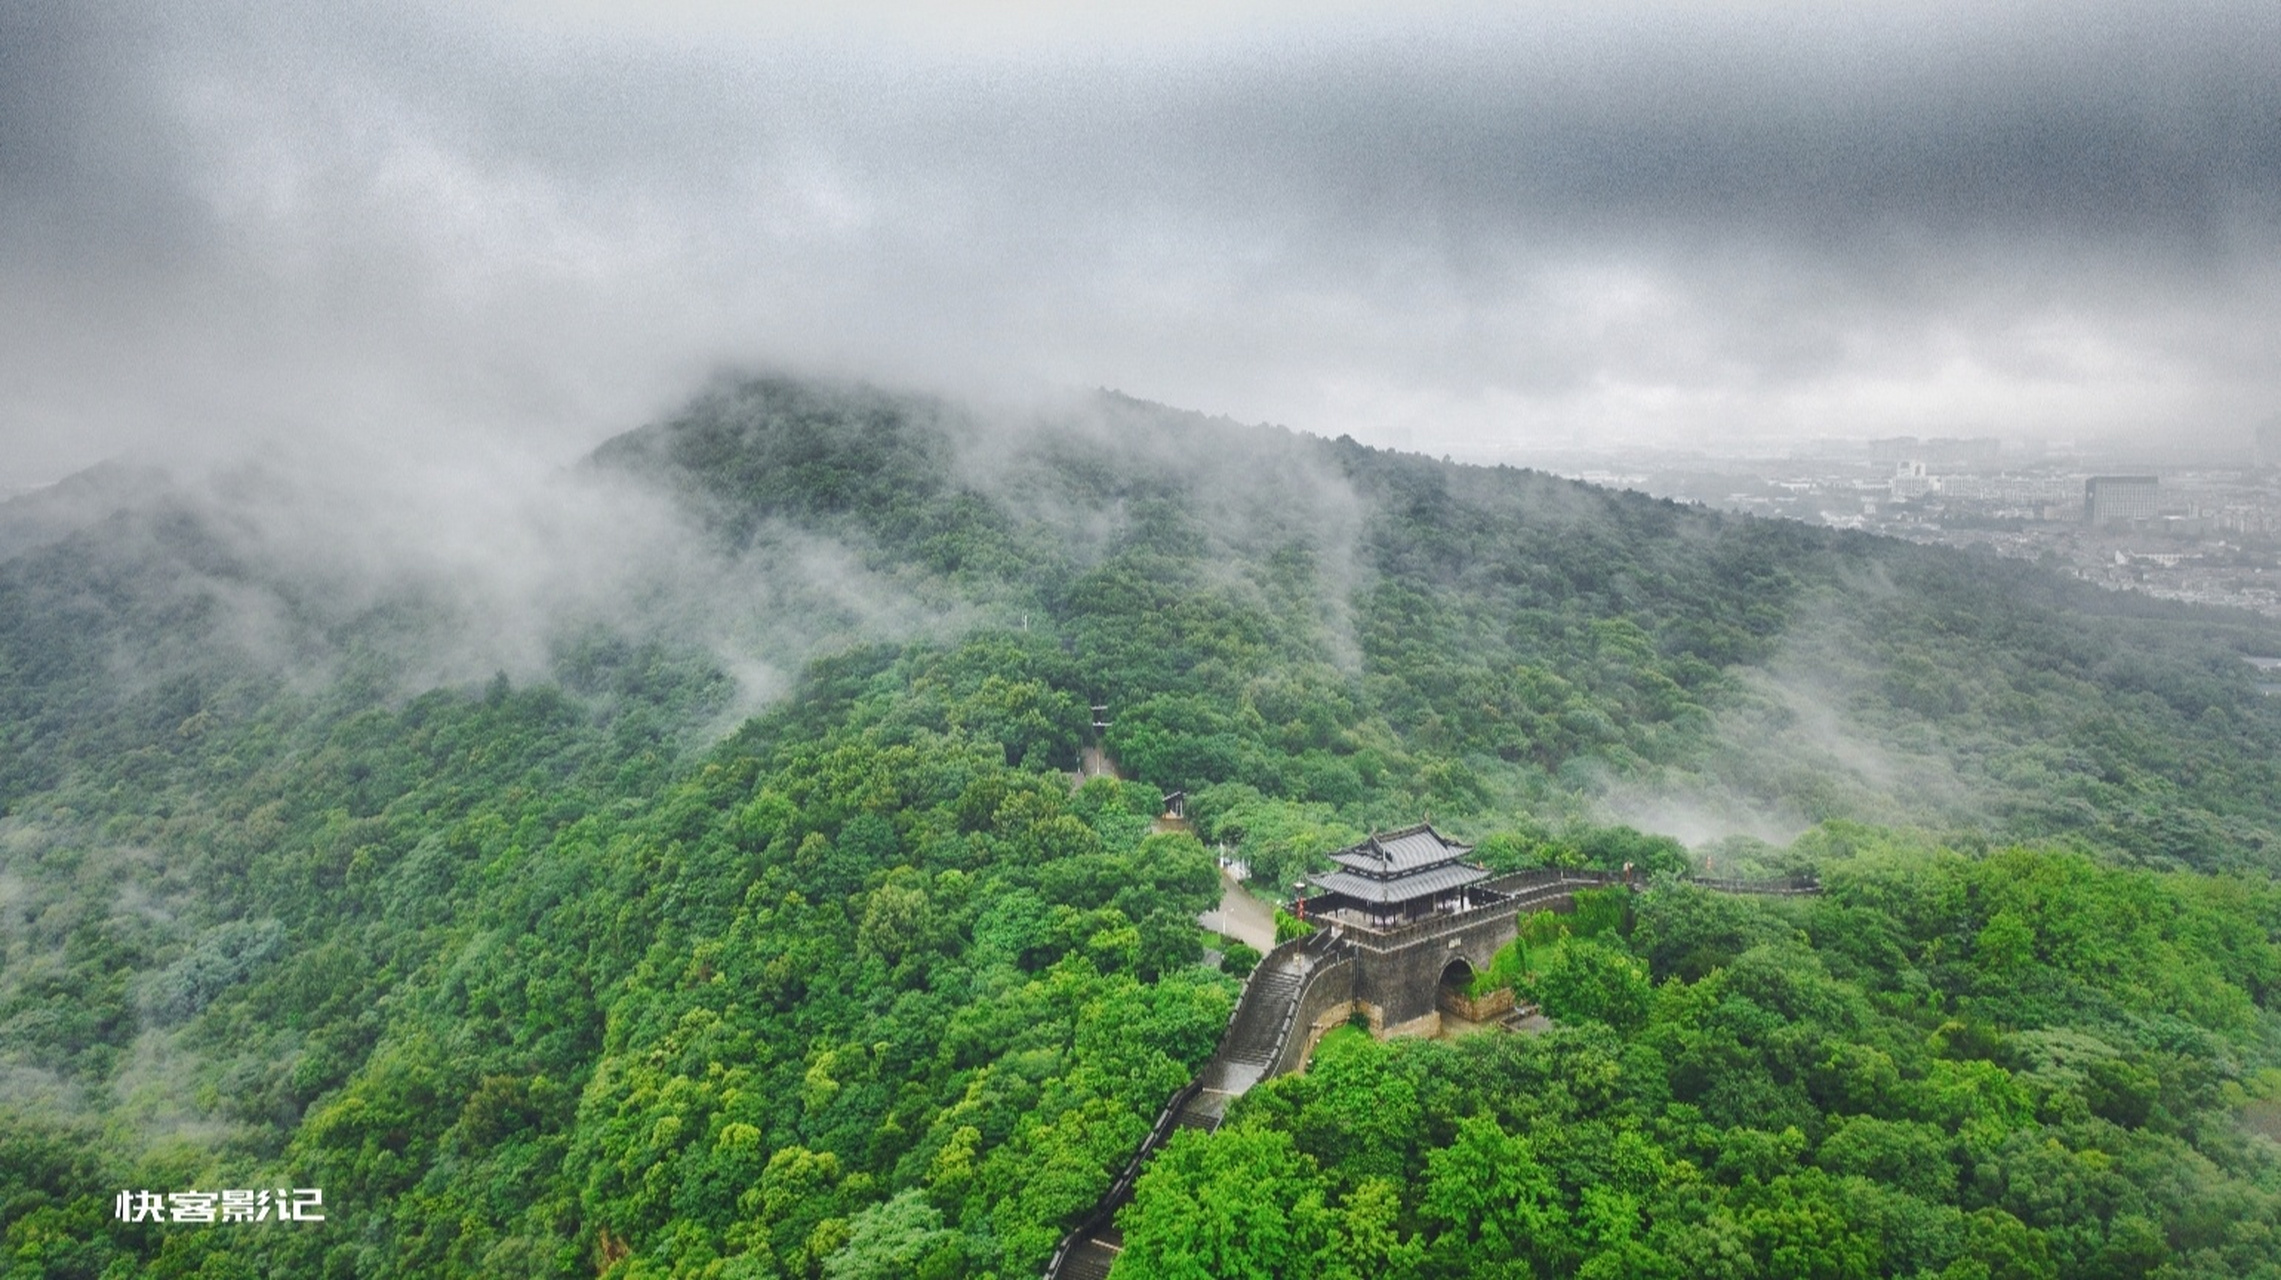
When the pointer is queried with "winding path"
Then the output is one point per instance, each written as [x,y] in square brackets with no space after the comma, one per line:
[1241,915]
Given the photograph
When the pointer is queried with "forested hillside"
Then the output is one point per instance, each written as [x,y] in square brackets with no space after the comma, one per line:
[1376,632]
[578,969]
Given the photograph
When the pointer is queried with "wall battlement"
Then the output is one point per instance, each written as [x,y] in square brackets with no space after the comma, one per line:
[1391,976]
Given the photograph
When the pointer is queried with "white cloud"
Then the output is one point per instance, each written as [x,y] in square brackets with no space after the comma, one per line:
[1457,227]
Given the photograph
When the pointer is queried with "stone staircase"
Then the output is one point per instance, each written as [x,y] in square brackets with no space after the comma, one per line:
[1092,1258]
[1247,1052]
[1250,1046]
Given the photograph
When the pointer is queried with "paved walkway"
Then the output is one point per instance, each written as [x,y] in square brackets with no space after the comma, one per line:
[1241,915]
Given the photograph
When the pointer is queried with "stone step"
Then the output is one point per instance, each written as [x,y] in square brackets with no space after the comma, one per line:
[1085,1269]
[1516,1016]
[1090,1260]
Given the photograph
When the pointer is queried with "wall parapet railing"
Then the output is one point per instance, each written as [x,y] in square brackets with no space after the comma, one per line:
[1337,955]
[1249,1008]
[1516,899]
[1786,886]
[1303,1012]
[1121,1189]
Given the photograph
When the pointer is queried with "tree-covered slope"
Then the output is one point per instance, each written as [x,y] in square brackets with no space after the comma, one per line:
[1380,632]
[2022,1065]
[577,968]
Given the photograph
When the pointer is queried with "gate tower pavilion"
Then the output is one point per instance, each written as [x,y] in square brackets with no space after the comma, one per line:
[1395,877]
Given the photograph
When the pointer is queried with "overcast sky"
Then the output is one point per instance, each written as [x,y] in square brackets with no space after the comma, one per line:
[1462,228]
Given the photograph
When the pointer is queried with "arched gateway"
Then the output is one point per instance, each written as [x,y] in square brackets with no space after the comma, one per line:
[1403,914]
[1410,903]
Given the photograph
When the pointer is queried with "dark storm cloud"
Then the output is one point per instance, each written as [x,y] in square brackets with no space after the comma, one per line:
[1456,226]
[1826,128]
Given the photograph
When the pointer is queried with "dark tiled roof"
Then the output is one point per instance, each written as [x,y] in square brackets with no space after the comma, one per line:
[1418,884]
[1399,852]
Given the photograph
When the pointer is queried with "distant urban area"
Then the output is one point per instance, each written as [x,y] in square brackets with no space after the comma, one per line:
[2204,528]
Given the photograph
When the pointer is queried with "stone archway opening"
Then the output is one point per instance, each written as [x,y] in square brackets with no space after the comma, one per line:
[1457,976]
[1455,999]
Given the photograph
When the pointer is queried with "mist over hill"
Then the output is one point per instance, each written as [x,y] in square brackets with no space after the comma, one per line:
[1259,606]
[1250,599]
[672,862]
[1349,627]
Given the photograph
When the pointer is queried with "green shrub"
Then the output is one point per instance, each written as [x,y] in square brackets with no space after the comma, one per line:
[1288,926]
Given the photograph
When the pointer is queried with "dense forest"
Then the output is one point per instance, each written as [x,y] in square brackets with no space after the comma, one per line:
[620,961]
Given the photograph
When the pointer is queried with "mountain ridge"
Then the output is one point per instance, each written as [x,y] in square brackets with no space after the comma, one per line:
[484,897]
